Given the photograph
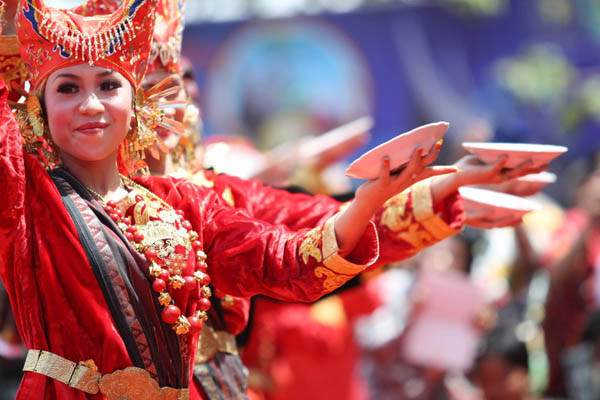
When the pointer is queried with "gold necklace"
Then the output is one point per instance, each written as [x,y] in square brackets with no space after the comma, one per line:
[98,196]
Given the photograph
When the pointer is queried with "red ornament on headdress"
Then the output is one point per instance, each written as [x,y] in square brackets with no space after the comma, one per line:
[168,30]
[51,38]
[12,69]
[168,35]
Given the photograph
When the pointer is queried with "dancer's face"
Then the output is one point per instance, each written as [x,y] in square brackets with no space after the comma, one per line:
[89,110]
[169,138]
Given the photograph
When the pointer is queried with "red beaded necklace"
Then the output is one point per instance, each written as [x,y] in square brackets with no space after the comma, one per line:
[166,239]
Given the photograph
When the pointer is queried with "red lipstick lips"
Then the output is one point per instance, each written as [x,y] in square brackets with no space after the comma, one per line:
[92,127]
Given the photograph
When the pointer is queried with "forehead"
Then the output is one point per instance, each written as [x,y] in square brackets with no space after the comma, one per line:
[82,70]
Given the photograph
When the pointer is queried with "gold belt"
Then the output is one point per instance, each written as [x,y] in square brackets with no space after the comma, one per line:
[212,341]
[131,383]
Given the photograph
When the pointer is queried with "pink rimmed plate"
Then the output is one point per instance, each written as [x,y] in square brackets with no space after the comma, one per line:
[398,149]
[495,205]
[517,153]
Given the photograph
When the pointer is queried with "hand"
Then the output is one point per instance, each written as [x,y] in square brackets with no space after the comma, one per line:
[375,193]
[516,188]
[350,224]
[475,172]
[487,220]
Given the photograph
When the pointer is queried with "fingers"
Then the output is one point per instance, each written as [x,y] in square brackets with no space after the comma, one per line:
[414,164]
[384,172]
[500,163]
[486,222]
[433,154]
[436,170]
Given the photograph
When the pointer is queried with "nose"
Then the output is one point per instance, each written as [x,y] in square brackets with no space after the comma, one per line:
[91,105]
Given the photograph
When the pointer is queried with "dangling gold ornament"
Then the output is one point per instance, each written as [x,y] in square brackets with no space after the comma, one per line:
[34,131]
[149,115]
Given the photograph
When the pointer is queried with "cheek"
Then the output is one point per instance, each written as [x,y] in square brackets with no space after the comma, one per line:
[59,119]
[121,113]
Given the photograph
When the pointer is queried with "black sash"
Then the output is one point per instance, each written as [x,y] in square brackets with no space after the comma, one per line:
[119,272]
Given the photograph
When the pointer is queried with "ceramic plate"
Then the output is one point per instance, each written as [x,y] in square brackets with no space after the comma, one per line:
[399,149]
[498,205]
[517,153]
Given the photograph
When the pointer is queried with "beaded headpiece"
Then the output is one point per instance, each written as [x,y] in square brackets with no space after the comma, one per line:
[53,38]
[168,30]
[168,35]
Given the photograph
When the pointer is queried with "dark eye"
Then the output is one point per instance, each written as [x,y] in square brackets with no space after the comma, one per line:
[110,85]
[68,88]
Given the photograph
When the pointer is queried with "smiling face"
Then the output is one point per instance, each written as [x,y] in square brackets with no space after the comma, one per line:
[169,138]
[88,110]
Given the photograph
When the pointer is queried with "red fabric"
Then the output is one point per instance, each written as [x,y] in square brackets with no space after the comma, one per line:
[56,300]
[298,211]
[55,297]
[567,306]
[248,256]
[304,358]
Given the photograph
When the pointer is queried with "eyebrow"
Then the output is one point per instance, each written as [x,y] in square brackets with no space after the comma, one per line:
[73,76]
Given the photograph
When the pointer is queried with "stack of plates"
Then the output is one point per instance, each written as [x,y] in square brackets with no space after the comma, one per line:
[495,205]
[517,153]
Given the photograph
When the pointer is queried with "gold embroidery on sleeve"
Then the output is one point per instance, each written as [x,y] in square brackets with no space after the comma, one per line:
[422,201]
[417,237]
[228,196]
[310,246]
[394,215]
[332,280]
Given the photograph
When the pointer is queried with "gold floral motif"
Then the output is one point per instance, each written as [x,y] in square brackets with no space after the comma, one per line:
[310,246]
[164,298]
[136,384]
[422,201]
[182,326]
[176,263]
[140,214]
[416,236]
[332,280]
[394,215]
[212,341]
[228,301]
[176,281]
[154,269]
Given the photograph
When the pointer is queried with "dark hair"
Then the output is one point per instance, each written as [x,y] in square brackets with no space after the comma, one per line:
[502,342]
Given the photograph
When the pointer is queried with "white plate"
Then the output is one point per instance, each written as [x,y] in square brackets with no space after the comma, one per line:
[497,205]
[526,185]
[399,149]
[544,178]
[517,153]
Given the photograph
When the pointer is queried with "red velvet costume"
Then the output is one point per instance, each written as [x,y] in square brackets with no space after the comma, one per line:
[403,229]
[56,299]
